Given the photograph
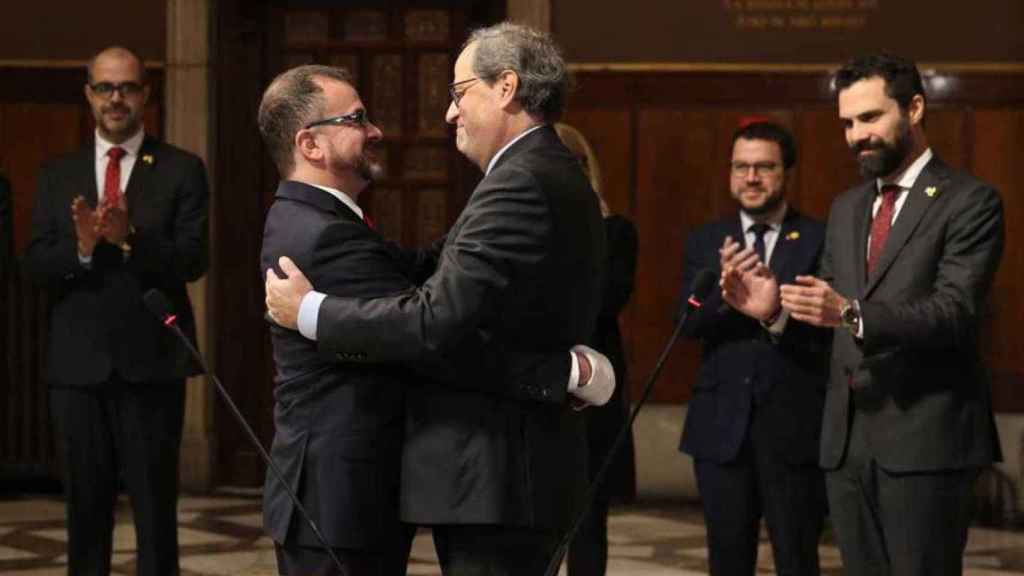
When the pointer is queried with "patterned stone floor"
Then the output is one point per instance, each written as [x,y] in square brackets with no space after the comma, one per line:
[221,536]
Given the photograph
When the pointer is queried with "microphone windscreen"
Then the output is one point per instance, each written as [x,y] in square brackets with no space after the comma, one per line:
[157,303]
[703,284]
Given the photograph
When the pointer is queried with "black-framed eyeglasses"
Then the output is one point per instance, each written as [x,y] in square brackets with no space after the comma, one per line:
[458,94]
[761,169]
[107,89]
[358,118]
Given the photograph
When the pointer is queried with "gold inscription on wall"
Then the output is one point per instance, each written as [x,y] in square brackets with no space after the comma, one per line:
[831,15]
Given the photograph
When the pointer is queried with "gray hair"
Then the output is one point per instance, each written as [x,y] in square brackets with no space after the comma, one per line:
[293,100]
[533,56]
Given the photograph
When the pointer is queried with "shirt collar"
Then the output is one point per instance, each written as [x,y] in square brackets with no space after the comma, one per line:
[343,198]
[131,146]
[494,160]
[909,176]
[774,221]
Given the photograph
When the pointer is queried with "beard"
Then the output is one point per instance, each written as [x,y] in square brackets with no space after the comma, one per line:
[770,204]
[886,158]
[126,126]
[369,168]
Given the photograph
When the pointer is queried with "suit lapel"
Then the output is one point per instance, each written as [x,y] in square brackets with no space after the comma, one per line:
[919,200]
[142,172]
[786,244]
[88,170]
[861,228]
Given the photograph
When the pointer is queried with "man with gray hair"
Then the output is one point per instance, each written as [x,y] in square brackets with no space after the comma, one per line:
[497,479]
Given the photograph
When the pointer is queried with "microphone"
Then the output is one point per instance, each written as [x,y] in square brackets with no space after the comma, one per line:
[703,284]
[160,306]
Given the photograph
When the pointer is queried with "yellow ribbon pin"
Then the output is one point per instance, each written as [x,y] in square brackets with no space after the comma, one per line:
[148,159]
[931,191]
[792,235]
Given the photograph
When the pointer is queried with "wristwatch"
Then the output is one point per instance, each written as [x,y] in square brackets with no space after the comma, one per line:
[849,316]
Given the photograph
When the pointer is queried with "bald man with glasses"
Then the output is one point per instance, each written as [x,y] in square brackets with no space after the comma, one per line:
[123,215]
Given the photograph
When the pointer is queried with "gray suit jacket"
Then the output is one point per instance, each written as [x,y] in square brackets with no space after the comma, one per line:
[926,399]
[521,269]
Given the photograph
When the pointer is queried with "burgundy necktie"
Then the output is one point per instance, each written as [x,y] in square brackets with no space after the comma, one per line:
[881,225]
[112,180]
[369,221]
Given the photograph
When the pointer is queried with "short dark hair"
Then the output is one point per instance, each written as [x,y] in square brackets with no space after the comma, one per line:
[902,80]
[771,132]
[533,56]
[292,100]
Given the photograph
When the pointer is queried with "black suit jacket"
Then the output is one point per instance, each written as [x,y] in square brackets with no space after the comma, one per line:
[742,366]
[6,235]
[521,269]
[605,422]
[926,402]
[338,427]
[98,323]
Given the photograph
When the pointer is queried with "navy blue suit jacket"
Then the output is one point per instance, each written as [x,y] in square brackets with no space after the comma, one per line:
[742,366]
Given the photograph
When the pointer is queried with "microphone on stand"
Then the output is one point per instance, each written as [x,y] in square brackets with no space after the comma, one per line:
[159,305]
[703,284]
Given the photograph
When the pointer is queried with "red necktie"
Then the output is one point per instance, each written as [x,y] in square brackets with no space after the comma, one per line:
[112,180]
[369,221]
[882,224]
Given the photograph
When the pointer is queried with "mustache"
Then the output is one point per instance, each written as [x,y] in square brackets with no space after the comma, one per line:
[864,145]
[116,108]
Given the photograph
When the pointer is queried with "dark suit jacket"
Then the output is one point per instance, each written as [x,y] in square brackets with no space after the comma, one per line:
[6,235]
[98,323]
[338,427]
[605,422]
[521,269]
[926,405]
[742,366]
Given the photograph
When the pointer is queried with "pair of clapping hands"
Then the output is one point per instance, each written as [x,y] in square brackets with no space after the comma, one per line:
[108,221]
[750,286]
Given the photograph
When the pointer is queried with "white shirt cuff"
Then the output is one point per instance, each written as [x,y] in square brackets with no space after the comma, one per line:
[599,389]
[85,261]
[309,313]
[779,326]
[574,372]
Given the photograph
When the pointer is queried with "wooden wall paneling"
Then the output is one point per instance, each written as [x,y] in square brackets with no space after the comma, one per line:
[825,162]
[946,127]
[676,157]
[995,158]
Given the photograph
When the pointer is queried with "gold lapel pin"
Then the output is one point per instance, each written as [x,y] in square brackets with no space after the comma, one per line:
[931,191]
[147,159]
[793,235]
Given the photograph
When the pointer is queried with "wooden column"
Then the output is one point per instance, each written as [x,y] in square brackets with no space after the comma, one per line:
[187,125]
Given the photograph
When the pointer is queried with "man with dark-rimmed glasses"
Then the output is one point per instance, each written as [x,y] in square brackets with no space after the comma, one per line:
[496,479]
[123,215]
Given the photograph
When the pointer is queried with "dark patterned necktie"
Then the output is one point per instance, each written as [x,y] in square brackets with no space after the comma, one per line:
[759,229]
[881,225]
[112,179]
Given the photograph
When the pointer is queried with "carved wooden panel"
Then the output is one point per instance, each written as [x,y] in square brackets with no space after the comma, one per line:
[387,94]
[432,221]
[434,69]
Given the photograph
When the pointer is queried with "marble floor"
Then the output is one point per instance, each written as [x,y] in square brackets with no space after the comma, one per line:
[220,535]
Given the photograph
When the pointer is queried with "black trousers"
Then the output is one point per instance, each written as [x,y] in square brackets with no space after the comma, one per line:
[488,550]
[129,429]
[735,496]
[588,553]
[898,524]
[315,561]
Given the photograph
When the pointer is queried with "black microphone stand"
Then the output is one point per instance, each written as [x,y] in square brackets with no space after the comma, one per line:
[159,305]
[703,283]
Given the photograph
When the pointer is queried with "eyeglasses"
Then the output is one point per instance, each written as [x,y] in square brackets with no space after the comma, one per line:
[457,95]
[741,169]
[358,118]
[107,89]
